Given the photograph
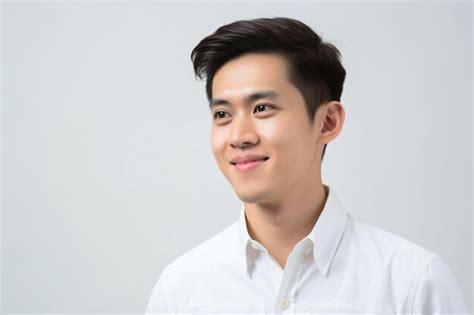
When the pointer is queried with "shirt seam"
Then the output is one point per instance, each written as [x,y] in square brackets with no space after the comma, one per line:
[165,289]
[417,278]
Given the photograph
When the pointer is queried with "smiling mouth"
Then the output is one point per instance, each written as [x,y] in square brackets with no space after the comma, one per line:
[264,159]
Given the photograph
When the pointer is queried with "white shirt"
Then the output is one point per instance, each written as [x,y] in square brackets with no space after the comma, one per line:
[343,266]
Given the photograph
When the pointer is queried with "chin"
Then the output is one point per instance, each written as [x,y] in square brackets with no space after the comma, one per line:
[250,196]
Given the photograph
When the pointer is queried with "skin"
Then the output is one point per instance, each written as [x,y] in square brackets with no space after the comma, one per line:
[284,196]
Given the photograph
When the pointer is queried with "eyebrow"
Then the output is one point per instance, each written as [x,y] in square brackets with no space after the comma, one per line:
[248,99]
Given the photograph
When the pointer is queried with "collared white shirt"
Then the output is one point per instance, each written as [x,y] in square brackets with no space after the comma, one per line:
[343,266]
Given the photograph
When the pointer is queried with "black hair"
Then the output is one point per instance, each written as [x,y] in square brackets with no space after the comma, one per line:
[315,68]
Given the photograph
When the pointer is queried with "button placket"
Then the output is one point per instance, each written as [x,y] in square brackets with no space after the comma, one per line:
[292,273]
[287,285]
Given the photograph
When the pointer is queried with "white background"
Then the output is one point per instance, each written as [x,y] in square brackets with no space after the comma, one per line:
[107,171]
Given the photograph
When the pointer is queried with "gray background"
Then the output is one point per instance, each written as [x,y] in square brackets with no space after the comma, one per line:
[107,171]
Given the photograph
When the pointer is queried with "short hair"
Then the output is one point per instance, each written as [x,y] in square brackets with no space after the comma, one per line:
[314,66]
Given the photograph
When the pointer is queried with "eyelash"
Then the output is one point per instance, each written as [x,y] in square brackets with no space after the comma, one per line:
[256,106]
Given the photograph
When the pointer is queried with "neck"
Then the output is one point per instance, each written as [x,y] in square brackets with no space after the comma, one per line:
[280,225]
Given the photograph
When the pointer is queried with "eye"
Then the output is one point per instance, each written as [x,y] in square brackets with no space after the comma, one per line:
[261,106]
[217,116]
[221,114]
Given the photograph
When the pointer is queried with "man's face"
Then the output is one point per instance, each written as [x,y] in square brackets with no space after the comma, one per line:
[280,130]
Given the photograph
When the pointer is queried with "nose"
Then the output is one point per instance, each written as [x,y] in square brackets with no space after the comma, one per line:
[243,132]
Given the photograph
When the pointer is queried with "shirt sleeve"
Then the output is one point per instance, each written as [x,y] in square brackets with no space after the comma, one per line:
[158,300]
[438,291]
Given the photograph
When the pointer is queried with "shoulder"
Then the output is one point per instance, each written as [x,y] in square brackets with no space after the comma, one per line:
[435,290]
[182,275]
[197,264]
[384,256]
[206,253]
[378,241]
[420,279]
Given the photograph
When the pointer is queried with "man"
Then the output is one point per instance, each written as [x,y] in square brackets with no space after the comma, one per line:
[274,91]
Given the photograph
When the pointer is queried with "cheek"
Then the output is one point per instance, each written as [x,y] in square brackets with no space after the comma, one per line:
[281,136]
[291,145]
[218,142]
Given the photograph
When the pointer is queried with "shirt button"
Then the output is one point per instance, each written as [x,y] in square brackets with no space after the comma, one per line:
[284,303]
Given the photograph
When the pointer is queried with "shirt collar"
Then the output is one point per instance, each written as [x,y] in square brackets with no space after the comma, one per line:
[325,234]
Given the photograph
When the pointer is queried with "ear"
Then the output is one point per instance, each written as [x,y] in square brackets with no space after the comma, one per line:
[330,121]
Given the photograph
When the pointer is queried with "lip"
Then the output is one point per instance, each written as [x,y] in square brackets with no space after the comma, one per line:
[241,159]
[249,166]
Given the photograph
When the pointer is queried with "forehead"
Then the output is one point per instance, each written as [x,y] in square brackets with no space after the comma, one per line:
[241,76]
